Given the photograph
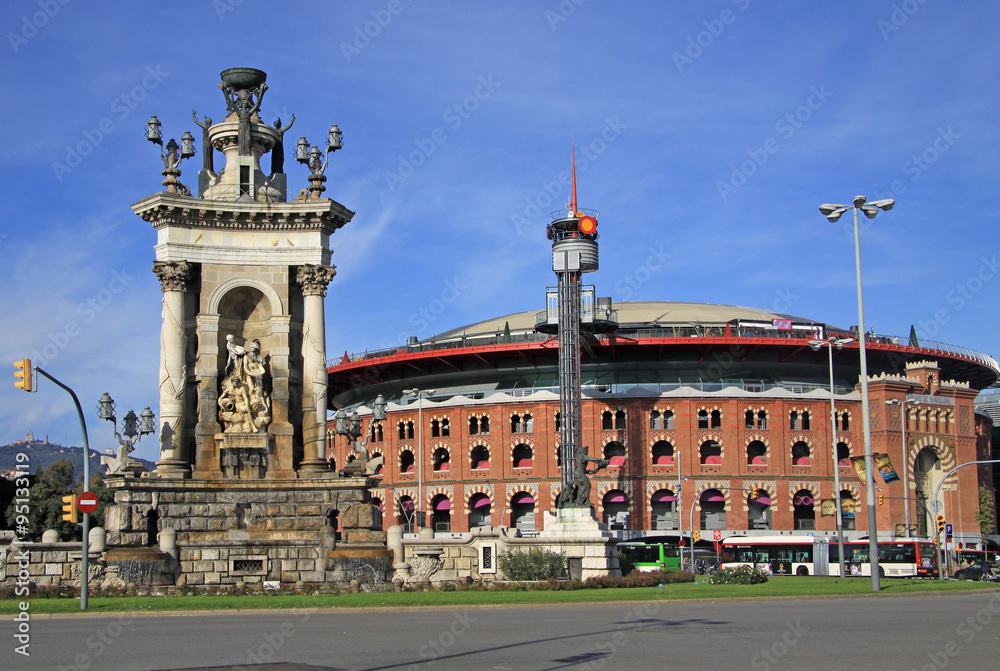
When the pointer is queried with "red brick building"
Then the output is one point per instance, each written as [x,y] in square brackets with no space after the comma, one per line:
[731,400]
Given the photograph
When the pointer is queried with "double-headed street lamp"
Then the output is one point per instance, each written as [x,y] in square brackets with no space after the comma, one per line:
[419,394]
[833,212]
[830,344]
[133,427]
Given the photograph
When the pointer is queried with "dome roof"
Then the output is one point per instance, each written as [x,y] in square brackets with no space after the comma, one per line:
[636,315]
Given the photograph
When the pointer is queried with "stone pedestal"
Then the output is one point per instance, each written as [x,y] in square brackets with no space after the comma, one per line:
[587,544]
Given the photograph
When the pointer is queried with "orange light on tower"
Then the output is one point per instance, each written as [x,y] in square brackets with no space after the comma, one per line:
[588,225]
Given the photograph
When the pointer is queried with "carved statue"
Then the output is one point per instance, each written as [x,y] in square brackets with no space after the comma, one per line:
[278,153]
[244,406]
[577,493]
[246,107]
[207,151]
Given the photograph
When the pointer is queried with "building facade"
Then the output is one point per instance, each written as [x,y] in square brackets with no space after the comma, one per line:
[716,418]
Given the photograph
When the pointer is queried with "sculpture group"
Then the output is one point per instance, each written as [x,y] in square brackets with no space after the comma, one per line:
[244,405]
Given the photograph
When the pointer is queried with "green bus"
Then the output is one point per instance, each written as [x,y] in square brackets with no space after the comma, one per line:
[652,556]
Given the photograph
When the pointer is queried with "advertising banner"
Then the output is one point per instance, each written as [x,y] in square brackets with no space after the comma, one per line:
[885,468]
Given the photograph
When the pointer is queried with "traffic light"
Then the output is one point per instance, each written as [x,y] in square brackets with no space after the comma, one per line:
[22,374]
[70,512]
[697,536]
[940,521]
[755,493]
[881,499]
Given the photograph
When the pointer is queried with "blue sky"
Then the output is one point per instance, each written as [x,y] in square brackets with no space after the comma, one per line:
[707,134]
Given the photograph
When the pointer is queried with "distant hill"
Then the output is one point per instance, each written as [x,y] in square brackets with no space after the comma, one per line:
[41,454]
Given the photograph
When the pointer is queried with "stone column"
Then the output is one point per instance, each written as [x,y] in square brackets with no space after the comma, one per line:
[173,276]
[313,281]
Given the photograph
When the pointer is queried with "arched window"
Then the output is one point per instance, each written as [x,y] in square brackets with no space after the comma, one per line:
[668,420]
[515,424]
[523,456]
[445,427]
[711,452]
[663,453]
[607,421]
[655,420]
[441,513]
[805,420]
[614,452]
[716,419]
[801,454]
[843,454]
[480,457]
[845,421]
[759,510]
[484,425]
[402,430]
[703,419]
[558,421]
[793,421]
[527,423]
[804,514]
[615,505]
[406,461]
[522,512]
[713,509]
[409,429]
[435,428]
[480,510]
[473,426]
[663,507]
[761,419]
[442,460]
[748,419]
[757,453]
[620,420]
[405,514]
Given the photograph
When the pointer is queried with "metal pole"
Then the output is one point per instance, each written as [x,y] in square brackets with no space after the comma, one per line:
[937,507]
[679,507]
[420,461]
[906,471]
[84,569]
[836,469]
[693,502]
[866,422]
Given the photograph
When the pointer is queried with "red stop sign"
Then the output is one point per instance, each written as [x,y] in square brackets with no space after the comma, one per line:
[87,502]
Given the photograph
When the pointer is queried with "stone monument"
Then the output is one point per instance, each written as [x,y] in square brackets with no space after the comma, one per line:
[242,481]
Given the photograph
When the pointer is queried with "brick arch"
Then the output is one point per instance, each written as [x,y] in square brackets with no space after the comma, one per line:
[657,436]
[515,487]
[403,447]
[431,492]
[804,438]
[521,439]
[945,453]
[654,486]
[472,490]
[604,487]
[751,437]
[811,487]
[769,486]
[721,485]
[853,488]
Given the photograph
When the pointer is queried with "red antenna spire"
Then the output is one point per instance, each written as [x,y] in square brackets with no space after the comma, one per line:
[572,201]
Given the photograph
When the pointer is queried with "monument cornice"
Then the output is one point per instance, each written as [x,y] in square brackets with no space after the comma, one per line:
[164,209]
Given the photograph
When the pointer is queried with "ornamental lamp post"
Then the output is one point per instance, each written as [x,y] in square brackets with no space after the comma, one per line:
[172,155]
[830,344]
[833,212]
[419,394]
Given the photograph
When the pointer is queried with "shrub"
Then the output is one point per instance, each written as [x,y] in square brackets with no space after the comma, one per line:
[536,564]
[625,563]
[739,575]
[638,579]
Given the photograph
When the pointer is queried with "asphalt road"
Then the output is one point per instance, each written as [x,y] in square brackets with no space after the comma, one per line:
[919,632]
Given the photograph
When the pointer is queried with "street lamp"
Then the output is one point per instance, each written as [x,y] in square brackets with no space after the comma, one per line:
[317,160]
[350,426]
[833,212]
[133,427]
[172,154]
[830,344]
[906,463]
[419,394]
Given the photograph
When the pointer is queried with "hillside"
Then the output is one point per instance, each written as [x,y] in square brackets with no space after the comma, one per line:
[41,454]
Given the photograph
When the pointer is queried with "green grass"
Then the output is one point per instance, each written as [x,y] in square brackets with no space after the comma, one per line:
[776,587]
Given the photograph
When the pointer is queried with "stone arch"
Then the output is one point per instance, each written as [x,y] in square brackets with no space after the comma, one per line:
[215,300]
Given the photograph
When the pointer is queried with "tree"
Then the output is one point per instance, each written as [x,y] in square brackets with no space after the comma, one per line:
[45,503]
[987,515]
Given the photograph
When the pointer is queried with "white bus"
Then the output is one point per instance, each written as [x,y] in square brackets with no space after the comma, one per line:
[778,555]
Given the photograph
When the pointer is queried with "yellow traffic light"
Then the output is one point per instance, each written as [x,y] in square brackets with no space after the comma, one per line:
[22,374]
[940,522]
[881,499]
[755,493]
[697,536]
[70,512]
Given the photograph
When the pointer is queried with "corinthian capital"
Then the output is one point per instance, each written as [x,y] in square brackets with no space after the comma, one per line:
[313,279]
[173,275]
